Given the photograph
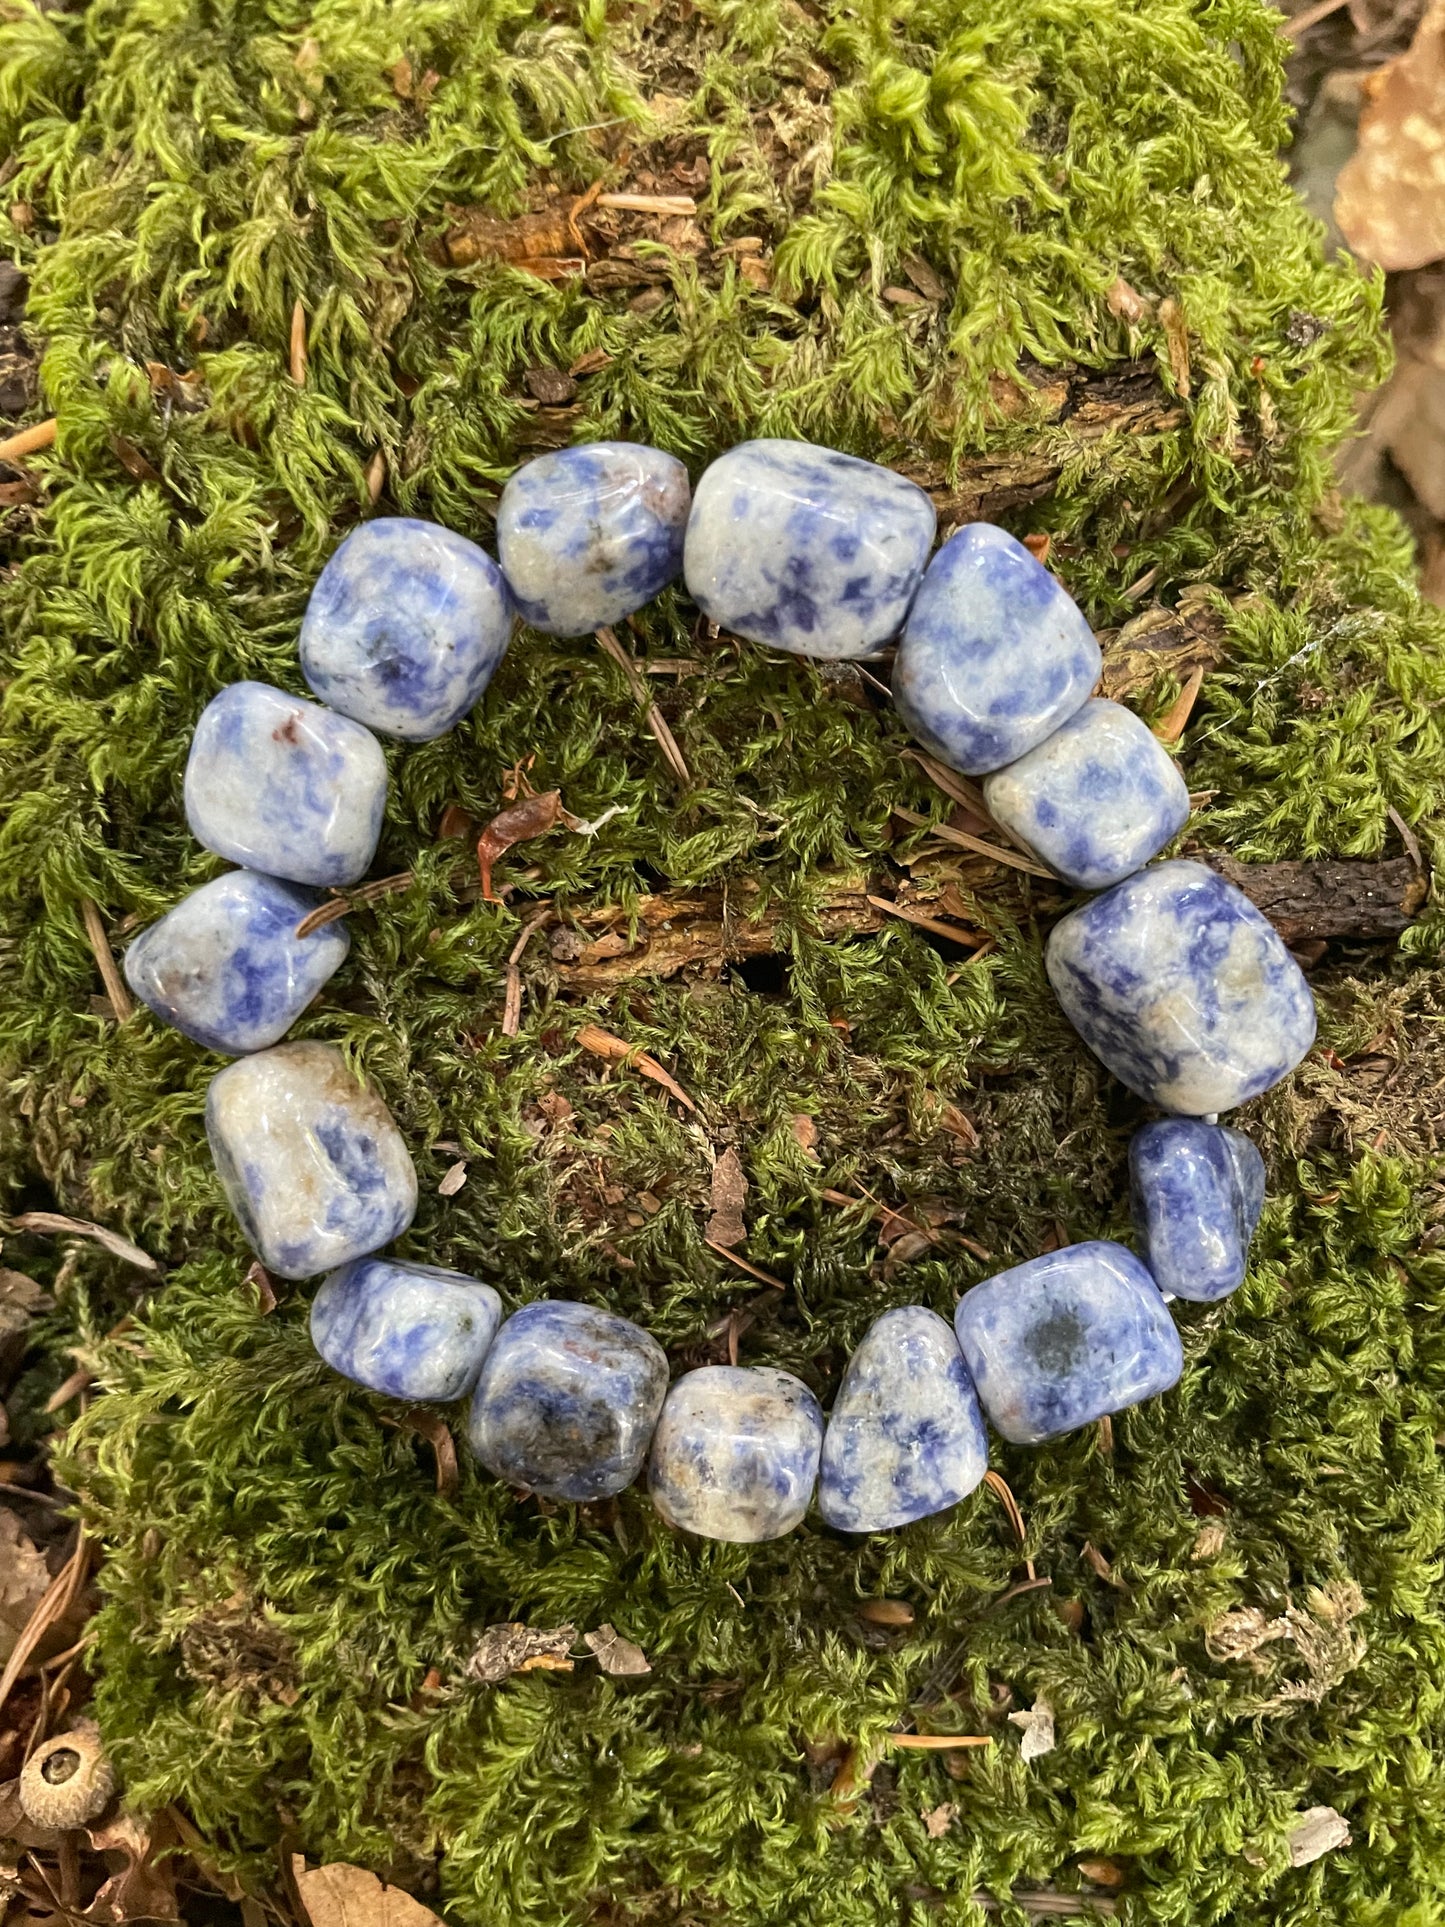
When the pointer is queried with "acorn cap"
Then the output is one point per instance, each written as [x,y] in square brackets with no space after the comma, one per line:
[67,1780]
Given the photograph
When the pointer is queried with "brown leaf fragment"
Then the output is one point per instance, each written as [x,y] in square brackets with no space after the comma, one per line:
[1319,1830]
[937,1823]
[432,1427]
[132,461]
[111,1241]
[529,817]
[1103,1873]
[886,1612]
[1175,720]
[260,1280]
[401,78]
[141,1885]
[1126,302]
[455,1178]
[729,1194]
[1390,194]
[602,1043]
[805,1130]
[929,283]
[1176,342]
[615,1654]
[512,1647]
[590,363]
[346,1896]
[24,1580]
[1036,1722]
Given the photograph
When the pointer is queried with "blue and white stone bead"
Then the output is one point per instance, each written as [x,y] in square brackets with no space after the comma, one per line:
[1065,1339]
[805,549]
[567,1400]
[1197,1191]
[226,965]
[905,1438]
[1095,800]
[311,1161]
[1181,987]
[995,656]
[281,785]
[587,535]
[411,1331]
[405,626]
[735,1454]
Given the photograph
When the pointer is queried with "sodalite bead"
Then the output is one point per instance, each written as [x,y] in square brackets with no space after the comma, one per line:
[312,1164]
[996,654]
[413,1331]
[567,1400]
[1065,1338]
[226,966]
[806,549]
[589,534]
[1096,799]
[284,786]
[905,1437]
[405,626]
[1176,981]
[736,1451]
[1197,1192]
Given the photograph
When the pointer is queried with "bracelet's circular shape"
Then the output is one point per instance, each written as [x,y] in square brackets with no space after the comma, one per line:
[1170,975]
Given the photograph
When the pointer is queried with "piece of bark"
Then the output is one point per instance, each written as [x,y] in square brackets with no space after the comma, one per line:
[1179,641]
[1331,898]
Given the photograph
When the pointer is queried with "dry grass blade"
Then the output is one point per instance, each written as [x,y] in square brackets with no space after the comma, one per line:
[1175,720]
[938,1742]
[665,739]
[68,1389]
[980,846]
[1045,1905]
[512,1006]
[29,441]
[110,976]
[745,1264]
[54,1603]
[615,1050]
[298,345]
[111,1241]
[356,899]
[649,203]
[996,1484]
[955,932]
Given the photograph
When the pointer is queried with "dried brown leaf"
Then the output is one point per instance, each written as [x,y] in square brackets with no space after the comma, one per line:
[455,1178]
[260,1280]
[529,817]
[432,1427]
[346,1896]
[729,1195]
[886,1612]
[615,1654]
[937,1823]
[24,1580]
[1176,342]
[141,1886]
[1390,195]
[1126,302]
[512,1647]
[1319,1830]
[54,1223]
[1103,1873]
[805,1130]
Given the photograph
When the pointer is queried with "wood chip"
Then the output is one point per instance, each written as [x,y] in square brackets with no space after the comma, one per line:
[616,1655]
[375,477]
[729,1195]
[53,1222]
[341,1895]
[1175,720]
[615,1050]
[29,441]
[512,1647]
[649,203]
[115,987]
[653,717]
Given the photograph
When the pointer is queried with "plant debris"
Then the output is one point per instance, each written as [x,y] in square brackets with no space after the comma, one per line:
[614,1050]
[512,1647]
[530,816]
[52,1222]
[340,1895]
[616,1655]
[1036,1723]
[1390,196]
[1320,1830]
[729,1194]
[24,1581]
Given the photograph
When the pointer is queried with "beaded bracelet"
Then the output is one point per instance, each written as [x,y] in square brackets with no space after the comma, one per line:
[1170,976]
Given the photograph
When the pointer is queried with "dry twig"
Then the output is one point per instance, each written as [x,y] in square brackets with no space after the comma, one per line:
[666,741]
[601,1043]
[110,976]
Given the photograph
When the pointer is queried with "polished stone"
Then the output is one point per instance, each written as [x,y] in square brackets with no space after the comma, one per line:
[996,654]
[905,1438]
[736,1453]
[589,534]
[1096,799]
[1197,1192]
[1064,1339]
[226,966]
[412,1331]
[1181,987]
[281,785]
[567,1400]
[405,626]
[311,1161]
[806,549]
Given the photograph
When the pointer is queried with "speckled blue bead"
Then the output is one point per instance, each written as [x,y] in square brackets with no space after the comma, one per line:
[1096,799]
[587,535]
[412,1331]
[1179,985]
[905,1438]
[1061,1340]
[226,966]
[405,626]
[1197,1192]
[312,1164]
[567,1400]
[735,1455]
[282,785]
[806,549]
[996,654]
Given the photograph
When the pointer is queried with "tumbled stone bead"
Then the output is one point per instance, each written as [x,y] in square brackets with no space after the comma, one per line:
[905,1438]
[412,1331]
[1197,1192]
[589,534]
[806,549]
[281,785]
[567,1400]
[405,626]
[226,965]
[312,1164]
[1181,987]
[1096,799]
[995,656]
[736,1452]
[1064,1339]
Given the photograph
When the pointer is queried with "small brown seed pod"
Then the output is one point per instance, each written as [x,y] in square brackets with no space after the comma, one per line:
[68,1780]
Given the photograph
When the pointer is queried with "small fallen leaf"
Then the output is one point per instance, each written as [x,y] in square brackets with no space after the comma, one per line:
[937,1823]
[432,1427]
[511,1647]
[1126,302]
[531,816]
[141,1884]
[455,1178]
[346,1896]
[886,1612]
[1319,1831]
[1390,194]
[729,1194]
[805,1130]
[1036,1723]
[260,1280]
[111,1241]
[1176,341]
[1103,1873]
[602,1043]
[615,1654]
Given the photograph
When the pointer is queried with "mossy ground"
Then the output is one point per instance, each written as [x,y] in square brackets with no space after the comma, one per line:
[280,1574]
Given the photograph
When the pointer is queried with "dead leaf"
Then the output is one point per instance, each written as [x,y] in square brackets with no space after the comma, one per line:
[531,816]
[886,1612]
[1103,1873]
[455,1178]
[1319,1830]
[1037,1725]
[924,277]
[512,1647]
[20,1299]
[601,1043]
[805,1130]
[141,1886]
[1126,302]
[937,1823]
[1390,194]
[260,1279]
[729,1194]
[24,1580]
[615,1654]
[111,1241]
[432,1427]
[1176,341]
[346,1896]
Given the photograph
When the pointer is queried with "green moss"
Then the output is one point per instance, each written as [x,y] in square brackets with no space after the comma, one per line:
[281,1574]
